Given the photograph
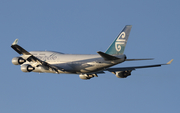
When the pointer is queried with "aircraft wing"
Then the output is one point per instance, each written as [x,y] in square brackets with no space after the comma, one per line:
[31,57]
[135,67]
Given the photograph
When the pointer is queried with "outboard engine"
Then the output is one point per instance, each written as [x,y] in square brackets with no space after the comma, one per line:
[18,60]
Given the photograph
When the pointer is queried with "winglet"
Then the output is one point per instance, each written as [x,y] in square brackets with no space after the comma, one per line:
[15,42]
[170,61]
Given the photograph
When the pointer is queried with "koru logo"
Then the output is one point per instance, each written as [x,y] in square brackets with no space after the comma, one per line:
[120,41]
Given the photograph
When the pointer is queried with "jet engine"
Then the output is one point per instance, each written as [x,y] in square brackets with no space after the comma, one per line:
[27,68]
[123,74]
[87,76]
[18,60]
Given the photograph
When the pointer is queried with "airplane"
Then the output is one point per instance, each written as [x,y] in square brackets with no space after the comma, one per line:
[87,66]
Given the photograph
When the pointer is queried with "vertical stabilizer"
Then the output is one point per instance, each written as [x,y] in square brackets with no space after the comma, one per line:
[119,44]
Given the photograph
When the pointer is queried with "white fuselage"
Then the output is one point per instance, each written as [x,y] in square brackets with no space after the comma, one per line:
[70,63]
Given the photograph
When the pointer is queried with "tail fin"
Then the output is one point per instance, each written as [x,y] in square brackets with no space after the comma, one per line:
[119,44]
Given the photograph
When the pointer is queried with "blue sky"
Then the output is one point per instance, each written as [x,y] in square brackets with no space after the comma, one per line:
[85,27]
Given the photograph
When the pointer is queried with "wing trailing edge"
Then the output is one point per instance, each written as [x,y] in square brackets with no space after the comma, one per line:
[136,67]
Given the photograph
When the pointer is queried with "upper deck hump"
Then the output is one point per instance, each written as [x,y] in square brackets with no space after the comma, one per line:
[65,57]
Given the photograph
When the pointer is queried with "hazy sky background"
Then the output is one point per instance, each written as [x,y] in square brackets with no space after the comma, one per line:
[85,27]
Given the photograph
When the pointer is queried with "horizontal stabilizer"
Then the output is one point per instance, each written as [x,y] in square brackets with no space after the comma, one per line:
[107,56]
[139,59]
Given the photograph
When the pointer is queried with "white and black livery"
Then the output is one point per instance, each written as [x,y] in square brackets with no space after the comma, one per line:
[87,66]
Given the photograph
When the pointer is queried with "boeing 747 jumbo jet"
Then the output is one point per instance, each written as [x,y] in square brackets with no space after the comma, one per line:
[87,66]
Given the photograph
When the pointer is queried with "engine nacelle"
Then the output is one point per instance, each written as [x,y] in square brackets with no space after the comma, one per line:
[87,76]
[123,74]
[18,60]
[84,76]
[27,68]
[41,68]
